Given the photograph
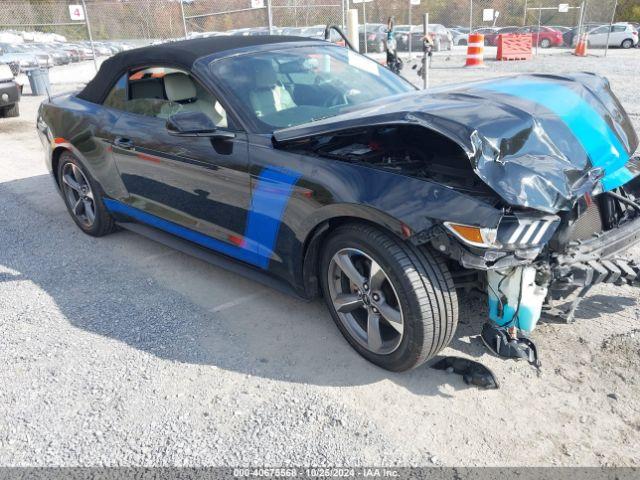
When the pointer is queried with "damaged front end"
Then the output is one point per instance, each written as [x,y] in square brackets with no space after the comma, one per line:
[553,155]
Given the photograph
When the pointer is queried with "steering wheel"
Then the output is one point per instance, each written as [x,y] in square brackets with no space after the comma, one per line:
[338,99]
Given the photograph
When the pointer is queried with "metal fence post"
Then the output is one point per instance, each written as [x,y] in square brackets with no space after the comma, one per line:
[426,67]
[88,24]
[613,17]
[184,20]
[470,16]
[538,32]
[269,17]
[364,22]
[410,27]
[524,17]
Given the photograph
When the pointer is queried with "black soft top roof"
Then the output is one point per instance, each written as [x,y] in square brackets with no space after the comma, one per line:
[180,54]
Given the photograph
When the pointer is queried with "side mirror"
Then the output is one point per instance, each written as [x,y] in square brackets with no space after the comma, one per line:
[195,124]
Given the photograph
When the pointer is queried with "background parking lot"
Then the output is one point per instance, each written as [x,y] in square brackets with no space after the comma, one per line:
[120,351]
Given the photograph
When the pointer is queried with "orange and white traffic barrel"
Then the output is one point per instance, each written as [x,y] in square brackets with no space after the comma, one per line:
[475,50]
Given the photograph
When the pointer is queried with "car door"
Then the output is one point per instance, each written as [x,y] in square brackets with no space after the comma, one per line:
[598,37]
[618,35]
[199,183]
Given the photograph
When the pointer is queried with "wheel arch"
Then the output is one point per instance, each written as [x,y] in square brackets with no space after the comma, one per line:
[55,161]
[317,235]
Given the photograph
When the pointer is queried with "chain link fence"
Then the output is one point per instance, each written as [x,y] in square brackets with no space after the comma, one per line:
[146,21]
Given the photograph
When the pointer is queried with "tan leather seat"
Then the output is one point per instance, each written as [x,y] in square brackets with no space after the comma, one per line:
[186,96]
[268,95]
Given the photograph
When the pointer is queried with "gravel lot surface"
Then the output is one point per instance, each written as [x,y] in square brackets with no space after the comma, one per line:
[120,351]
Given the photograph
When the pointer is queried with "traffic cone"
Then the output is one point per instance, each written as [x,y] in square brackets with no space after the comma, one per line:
[475,50]
[581,46]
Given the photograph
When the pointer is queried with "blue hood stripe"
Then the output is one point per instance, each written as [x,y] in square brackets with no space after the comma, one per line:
[600,142]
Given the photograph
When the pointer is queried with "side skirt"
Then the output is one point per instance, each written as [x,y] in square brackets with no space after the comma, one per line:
[211,257]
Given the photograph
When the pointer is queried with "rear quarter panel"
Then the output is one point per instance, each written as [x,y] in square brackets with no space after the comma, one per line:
[84,128]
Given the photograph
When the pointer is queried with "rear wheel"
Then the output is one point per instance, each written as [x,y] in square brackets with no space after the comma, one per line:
[628,43]
[393,302]
[82,197]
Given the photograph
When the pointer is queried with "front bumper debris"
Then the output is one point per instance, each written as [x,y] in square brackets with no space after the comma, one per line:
[598,260]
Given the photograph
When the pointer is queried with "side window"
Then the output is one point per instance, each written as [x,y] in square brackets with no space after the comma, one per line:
[117,97]
[161,92]
[618,28]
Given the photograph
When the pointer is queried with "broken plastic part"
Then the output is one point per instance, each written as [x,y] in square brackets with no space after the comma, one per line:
[515,299]
[473,373]
[509,343]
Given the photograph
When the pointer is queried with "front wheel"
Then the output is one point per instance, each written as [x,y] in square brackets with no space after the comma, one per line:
[545,43]
[395,303]
[82,197]
[12,111]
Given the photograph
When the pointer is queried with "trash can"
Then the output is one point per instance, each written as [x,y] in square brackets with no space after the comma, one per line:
[39,81]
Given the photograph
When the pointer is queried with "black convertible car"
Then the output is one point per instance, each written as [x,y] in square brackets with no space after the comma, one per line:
[317,165]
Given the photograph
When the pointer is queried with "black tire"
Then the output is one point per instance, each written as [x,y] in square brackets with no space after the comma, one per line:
[423,286]
[626,44]
[103,222]
[12,111]
[545,43]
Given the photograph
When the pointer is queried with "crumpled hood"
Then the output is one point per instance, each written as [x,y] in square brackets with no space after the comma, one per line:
[539,141]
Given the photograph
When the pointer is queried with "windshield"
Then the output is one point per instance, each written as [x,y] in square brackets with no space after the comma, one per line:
[284,88]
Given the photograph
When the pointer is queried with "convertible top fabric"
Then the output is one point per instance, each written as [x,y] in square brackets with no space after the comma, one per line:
[180,54]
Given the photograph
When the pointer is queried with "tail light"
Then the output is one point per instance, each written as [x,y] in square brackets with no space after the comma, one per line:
[372,37]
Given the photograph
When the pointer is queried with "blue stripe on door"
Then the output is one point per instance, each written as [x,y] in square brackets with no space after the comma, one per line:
[599,141]
[269,200]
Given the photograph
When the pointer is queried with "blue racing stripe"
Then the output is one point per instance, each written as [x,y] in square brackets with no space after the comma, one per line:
[269,200]
[600,142]
[270,197]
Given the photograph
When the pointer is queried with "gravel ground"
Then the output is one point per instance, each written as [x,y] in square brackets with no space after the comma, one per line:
[120,351]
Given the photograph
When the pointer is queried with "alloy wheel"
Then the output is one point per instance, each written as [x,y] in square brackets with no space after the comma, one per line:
[78,194]
[365,301]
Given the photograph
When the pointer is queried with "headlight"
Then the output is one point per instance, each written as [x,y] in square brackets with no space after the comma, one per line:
[517,231]
[474,236]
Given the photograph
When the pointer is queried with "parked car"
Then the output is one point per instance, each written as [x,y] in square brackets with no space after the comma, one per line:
[58,56]
[569,36]
[43,60]
[491,38]
[375,37]
[26,61]
[322,169]
[561,28]
[459,37]
[74,52]
[622,35]
[545,37]
[442,38]
[9,92]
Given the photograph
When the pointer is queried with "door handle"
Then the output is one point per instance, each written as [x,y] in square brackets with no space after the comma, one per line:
[123,142]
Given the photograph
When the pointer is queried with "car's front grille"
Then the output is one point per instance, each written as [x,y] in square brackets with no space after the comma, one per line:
[588,224]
